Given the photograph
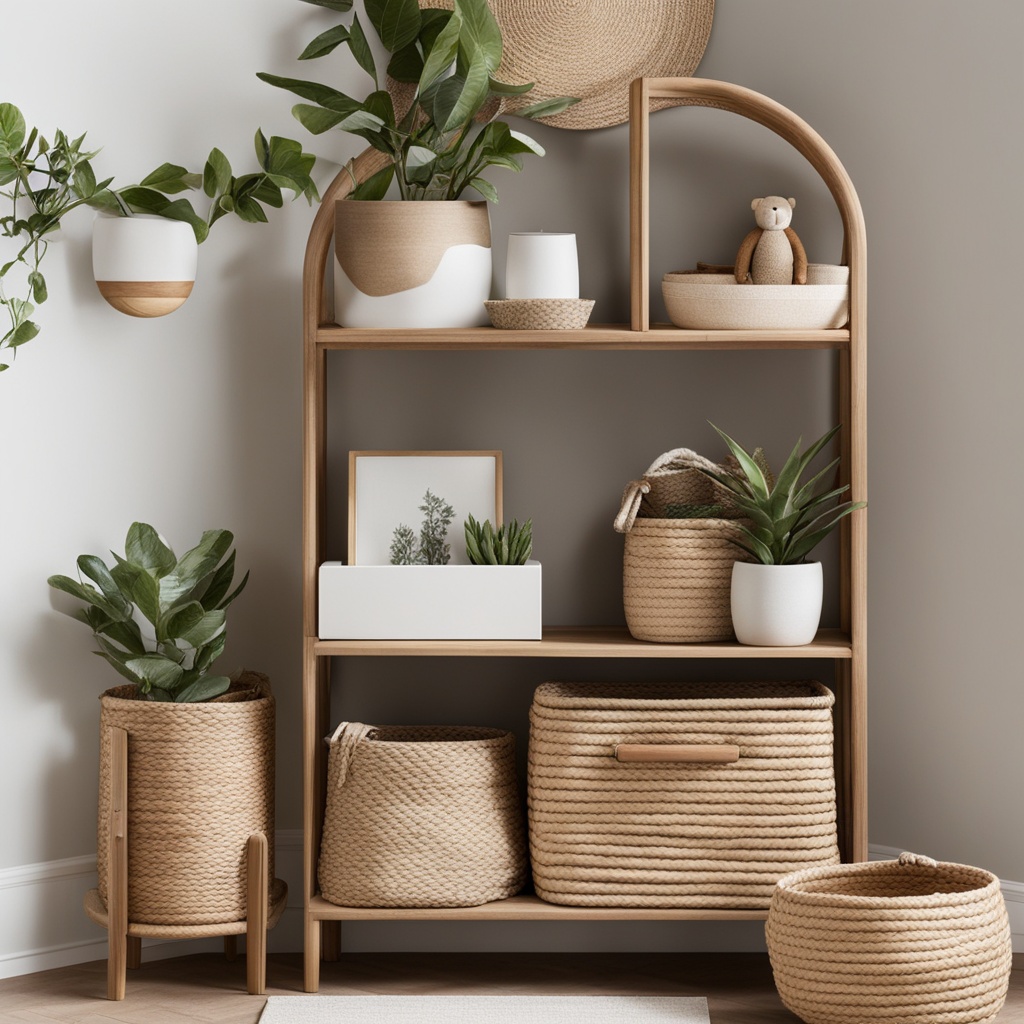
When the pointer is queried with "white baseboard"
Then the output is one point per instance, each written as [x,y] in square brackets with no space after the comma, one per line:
[42,925]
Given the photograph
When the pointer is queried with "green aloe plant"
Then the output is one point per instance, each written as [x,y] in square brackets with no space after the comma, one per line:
[510,544]
[182,603]
[42,182]
[788,517]
[438,124]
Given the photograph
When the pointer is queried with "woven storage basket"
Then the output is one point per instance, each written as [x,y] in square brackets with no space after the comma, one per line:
[421,816]
[605,832]
[909,941]
[200,782]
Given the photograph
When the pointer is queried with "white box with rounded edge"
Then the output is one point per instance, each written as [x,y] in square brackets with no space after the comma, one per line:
[430,602]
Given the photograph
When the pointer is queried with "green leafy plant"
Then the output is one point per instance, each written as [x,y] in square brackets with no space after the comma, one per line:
[788,517]
[510,544]
[437,123]
[182,603]
[432,547]
[42,182]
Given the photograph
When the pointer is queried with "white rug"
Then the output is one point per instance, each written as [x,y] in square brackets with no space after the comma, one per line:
[485,1010]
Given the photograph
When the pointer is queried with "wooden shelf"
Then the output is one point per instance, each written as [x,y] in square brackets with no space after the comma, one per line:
[598,336]
[582,642]
[523,908]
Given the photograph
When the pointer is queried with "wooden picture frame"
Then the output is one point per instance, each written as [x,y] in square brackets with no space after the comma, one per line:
[385,488]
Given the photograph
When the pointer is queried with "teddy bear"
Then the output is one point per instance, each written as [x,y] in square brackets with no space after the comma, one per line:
[772,253]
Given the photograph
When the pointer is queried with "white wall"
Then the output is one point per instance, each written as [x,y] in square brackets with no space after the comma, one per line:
[193,421]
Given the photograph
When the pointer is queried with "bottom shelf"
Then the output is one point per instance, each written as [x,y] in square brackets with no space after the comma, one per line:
[525,908]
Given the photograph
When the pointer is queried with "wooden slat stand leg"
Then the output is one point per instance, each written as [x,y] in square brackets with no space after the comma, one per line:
[331,941]
[117,866]
[134,952]
[257,888]
[230,948]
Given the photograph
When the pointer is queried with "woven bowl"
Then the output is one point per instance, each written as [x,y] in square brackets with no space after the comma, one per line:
[907,941]
[715,302]
[539,314]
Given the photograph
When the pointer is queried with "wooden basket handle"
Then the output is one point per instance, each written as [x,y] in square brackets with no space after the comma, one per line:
[710,753]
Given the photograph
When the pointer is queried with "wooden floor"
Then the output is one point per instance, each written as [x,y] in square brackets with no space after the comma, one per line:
[208,990]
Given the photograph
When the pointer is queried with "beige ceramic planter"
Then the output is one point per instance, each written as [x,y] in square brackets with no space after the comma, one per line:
[411,264]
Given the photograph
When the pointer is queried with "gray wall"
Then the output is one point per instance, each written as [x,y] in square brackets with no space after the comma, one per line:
[194,420]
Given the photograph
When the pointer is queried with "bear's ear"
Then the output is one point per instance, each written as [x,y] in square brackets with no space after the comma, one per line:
[754,203]
[792,203]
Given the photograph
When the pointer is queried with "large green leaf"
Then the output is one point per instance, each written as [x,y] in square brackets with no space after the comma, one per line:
[404,66]
[335,5]
[325,43]
[155,671]
[196,563]
[376,186]
[12,129]
[442,54]
[203,689]
[547,108]
[458,99]
[182,209]
[24,332]
[481,37]
[146,595]
[207,628]
[170,178]
[120,668]
[96,570]
[90,595]
[209,653]
[144,548]
[322,94]
[396,22]
[360,48]
[751,470]
[180,620]
[216,174]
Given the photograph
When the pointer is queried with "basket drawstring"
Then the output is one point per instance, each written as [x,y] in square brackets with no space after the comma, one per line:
[632,496]
[344,741]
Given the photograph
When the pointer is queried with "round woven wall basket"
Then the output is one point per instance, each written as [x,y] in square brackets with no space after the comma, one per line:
[200,782]
[676,579]
[421,816]
[909,941]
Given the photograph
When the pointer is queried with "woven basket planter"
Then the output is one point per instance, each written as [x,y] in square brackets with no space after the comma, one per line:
[676,579]
[200,782]
[665,832]
[909,941]
[421,816]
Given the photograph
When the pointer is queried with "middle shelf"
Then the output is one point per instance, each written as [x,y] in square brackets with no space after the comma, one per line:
[582,642]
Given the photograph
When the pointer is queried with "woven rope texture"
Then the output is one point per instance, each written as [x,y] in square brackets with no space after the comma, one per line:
[421,816]
[661,834]
[676,578]
[895,942]
[539,314]
[200,782]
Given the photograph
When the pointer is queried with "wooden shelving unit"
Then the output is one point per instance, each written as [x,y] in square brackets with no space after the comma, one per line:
[845,646]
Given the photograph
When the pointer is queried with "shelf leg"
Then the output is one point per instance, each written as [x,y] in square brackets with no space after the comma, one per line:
[231,948]
[134,952]
[312,954]
[117,865]
[257,888]
[331,940]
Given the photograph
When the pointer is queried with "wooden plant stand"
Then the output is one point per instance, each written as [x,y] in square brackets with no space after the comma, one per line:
[124,938]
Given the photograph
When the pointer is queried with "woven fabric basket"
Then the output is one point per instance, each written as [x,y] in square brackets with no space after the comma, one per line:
[908,941]
[676,579]
[673,830]
[421,816]
[200,782]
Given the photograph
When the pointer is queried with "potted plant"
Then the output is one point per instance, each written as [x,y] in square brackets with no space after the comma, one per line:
[776,600]
[144,244]
[200,745]
[418,264]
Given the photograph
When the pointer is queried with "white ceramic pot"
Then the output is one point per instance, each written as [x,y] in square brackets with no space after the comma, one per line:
[411,264]
[144,265]
[776,605]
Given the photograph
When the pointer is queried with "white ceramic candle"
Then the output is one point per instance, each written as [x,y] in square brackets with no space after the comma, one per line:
[542,265]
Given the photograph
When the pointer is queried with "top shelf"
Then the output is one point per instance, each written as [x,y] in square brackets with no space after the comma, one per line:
[595,337]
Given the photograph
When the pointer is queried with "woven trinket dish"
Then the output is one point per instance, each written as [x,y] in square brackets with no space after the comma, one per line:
[539,314]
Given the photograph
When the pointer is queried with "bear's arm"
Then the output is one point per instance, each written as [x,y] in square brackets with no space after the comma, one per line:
[799,257]
[746,253]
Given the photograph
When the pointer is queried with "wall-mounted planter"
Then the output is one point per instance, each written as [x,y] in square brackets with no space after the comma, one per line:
[430,602]
[144,265]
[411,264]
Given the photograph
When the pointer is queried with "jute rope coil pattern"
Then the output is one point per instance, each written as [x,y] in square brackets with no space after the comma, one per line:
[909,941]
[200,782]
[659,834]
[676,579]
[421,816]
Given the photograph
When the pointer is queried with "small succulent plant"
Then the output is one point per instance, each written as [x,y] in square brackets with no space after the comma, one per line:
[182,602]
[432,547]
[787,518]
[511,544]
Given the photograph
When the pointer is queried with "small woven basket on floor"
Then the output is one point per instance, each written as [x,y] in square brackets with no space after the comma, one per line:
[731,788]
[421,816]
[200,782]
[677,572]
[909,941]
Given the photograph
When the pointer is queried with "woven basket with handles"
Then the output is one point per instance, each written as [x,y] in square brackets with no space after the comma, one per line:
[678,795]
[908,941]
[677,573]
[421,816]
[200,782]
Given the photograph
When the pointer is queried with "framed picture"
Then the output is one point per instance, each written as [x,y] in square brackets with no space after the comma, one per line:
[386,490]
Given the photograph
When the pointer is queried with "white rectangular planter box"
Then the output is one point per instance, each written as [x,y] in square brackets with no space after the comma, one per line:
[430,602]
